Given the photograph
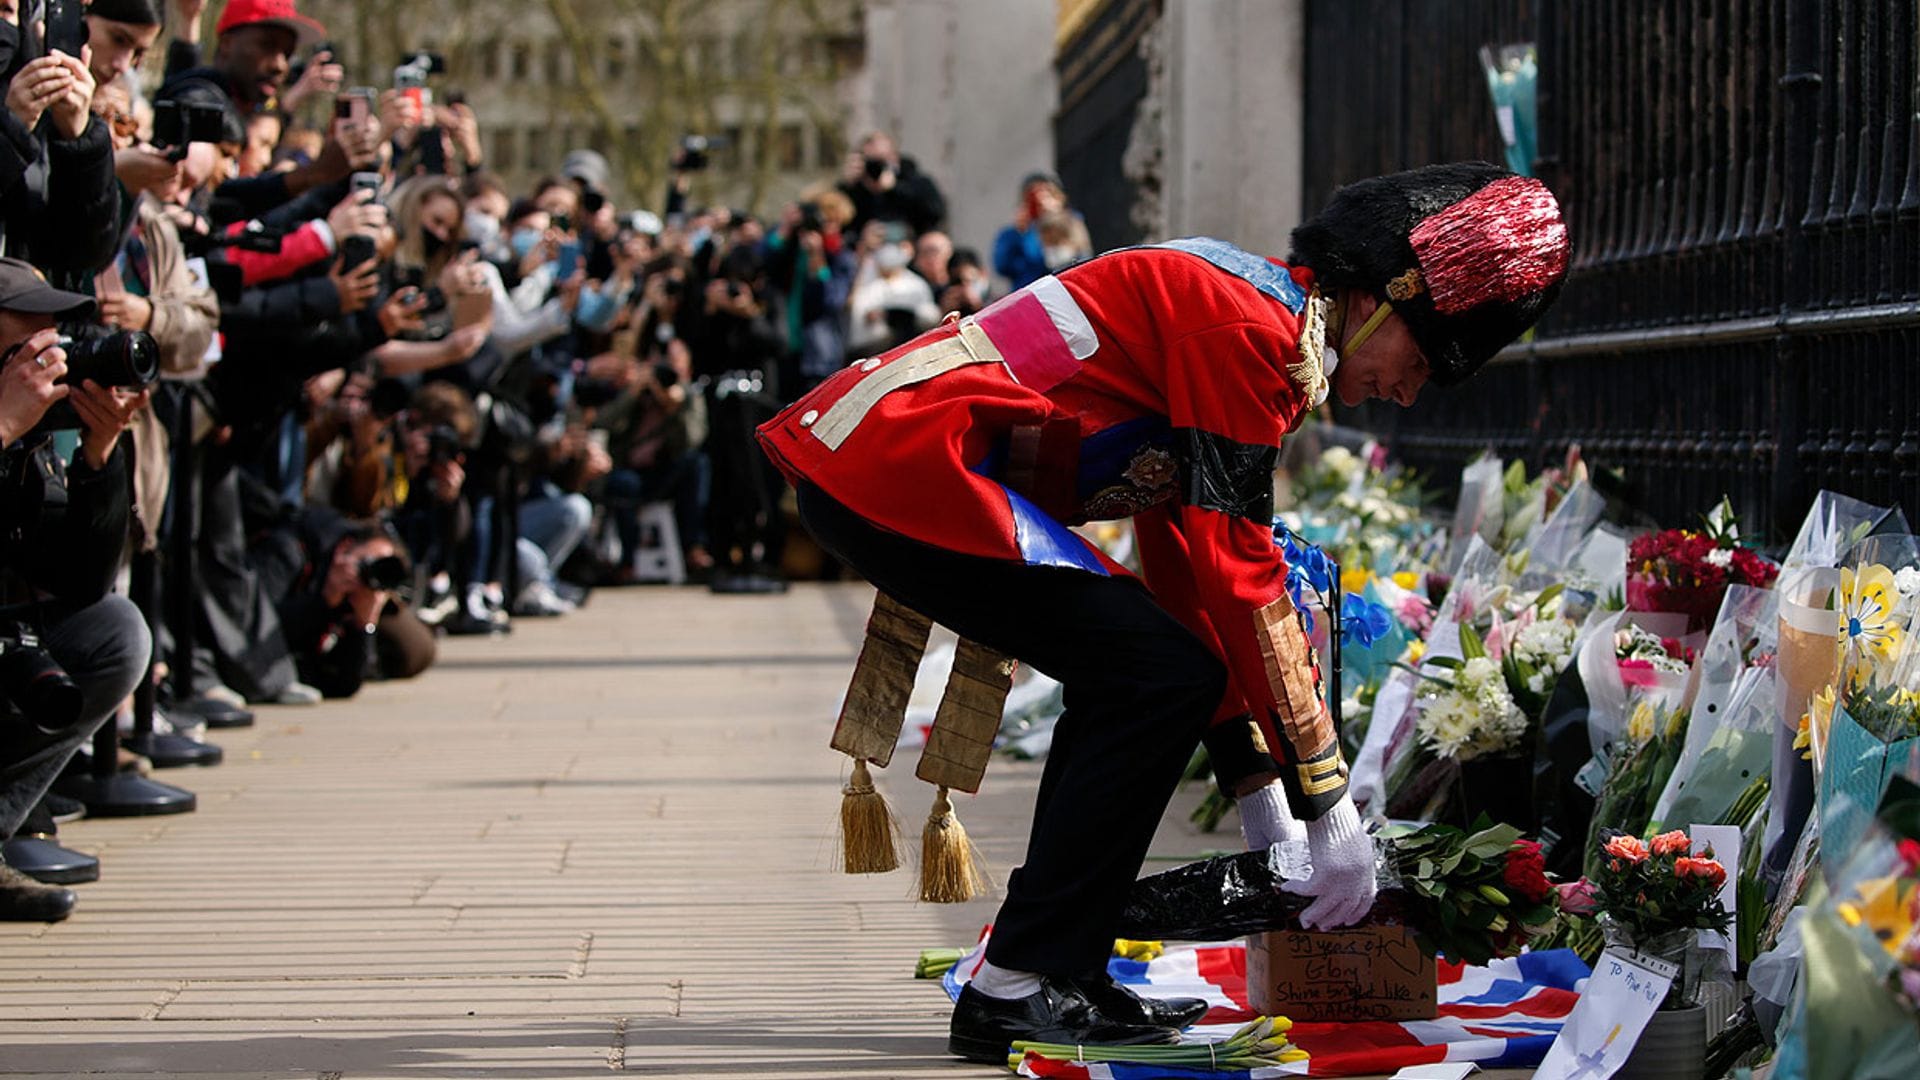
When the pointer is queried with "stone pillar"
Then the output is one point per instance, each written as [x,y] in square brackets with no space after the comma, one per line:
[1232,127]
[968,92]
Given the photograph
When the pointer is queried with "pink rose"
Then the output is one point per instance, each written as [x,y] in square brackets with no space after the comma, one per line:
[1578,897]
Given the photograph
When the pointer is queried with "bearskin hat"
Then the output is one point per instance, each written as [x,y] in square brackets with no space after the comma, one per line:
[1469,254]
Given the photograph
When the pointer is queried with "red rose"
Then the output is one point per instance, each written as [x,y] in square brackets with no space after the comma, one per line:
[1526,872]
[1910,855]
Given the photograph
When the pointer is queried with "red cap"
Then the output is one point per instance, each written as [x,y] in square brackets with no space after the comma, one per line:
[281,13]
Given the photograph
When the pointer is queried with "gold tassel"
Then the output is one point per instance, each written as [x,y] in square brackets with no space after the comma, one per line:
[868,843]
[949,865]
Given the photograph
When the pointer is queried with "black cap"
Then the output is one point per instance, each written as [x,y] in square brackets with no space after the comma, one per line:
[24,288]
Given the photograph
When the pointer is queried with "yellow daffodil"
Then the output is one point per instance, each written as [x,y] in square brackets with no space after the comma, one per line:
[1406,579]
[1416,651]
[1803,737]
[1355,581]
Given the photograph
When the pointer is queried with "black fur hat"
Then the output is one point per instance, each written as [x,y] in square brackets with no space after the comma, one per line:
[1469,255]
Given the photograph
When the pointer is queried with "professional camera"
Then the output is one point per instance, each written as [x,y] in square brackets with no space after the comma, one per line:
[34,682]
[178,124]
[810,219]
[384,574]
[127,358]
[443,445]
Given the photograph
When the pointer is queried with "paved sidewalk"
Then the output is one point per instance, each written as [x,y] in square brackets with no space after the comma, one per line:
[601,844]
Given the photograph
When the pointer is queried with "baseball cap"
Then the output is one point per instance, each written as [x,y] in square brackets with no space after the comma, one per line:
[24,288]
[587,166]
[281,13]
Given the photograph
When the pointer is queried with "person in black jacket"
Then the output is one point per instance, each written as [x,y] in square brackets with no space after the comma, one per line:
[59,204]
[62,529]
[887,187]
[252,56]
[332,578]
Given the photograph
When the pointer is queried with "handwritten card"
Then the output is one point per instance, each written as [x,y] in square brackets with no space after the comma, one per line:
[1625,991]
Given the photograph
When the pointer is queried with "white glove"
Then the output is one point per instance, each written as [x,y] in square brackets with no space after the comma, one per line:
[1342,883]
[1266,819]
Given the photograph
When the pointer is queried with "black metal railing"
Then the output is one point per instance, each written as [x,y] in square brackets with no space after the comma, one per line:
[1742,183]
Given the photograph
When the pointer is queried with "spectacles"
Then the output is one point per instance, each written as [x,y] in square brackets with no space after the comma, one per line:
[124,125]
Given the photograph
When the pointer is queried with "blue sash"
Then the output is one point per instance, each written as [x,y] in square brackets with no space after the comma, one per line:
[1245,265]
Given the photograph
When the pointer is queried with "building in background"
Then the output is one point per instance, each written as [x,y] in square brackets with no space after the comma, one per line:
[772,81]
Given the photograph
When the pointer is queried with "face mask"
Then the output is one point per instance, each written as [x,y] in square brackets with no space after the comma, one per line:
[524,241]
[482,229]
[892,257]
[431,244]
[595,311]
[1058,256]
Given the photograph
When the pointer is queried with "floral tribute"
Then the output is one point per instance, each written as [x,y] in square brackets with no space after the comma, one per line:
[1687,571]
[1649,889]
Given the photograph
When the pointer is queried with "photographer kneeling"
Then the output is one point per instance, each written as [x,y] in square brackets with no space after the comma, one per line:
[333,580]
[72,650]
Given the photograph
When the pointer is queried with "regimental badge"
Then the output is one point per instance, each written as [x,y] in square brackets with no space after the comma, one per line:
[1149,479]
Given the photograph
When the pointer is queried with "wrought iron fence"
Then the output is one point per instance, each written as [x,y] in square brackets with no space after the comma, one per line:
[1742,183]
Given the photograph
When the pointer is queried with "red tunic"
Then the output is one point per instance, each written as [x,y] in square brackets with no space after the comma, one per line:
[1163,398]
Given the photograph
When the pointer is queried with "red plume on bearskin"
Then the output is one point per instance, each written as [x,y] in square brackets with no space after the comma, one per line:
[1499,244]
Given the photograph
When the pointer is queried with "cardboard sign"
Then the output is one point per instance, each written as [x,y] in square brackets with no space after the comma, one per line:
[1365,973]
[1625,991]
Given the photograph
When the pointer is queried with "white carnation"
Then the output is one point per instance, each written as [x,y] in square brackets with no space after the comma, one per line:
[1907,581]
[1720,557]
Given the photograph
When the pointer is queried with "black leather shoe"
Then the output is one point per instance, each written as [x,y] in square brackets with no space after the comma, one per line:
[985,1028]
[41,858]
[1116,1001]
[213,711]
[23,899]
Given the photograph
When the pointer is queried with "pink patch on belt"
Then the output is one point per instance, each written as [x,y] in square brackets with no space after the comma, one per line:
[1034,348]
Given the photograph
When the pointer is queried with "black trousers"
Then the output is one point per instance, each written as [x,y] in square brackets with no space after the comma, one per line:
[1139,691]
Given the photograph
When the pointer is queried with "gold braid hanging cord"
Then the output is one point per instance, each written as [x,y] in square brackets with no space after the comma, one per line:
[869,728]
[956,758]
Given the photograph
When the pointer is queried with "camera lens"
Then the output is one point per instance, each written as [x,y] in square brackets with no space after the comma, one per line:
[129,358]
[383,574]
[876,168]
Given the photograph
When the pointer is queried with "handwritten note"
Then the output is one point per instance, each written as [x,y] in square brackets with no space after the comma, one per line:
[1369,973]
[1625,991]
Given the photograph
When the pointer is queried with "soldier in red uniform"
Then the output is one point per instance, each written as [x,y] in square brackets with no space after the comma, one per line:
[1155,383]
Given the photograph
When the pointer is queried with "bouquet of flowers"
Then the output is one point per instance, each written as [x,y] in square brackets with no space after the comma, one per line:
[1471,894]
[1653,897]
[1475,714]
[1687,571]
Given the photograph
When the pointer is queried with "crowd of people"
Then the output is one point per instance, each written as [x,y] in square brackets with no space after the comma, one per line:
[293,385]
